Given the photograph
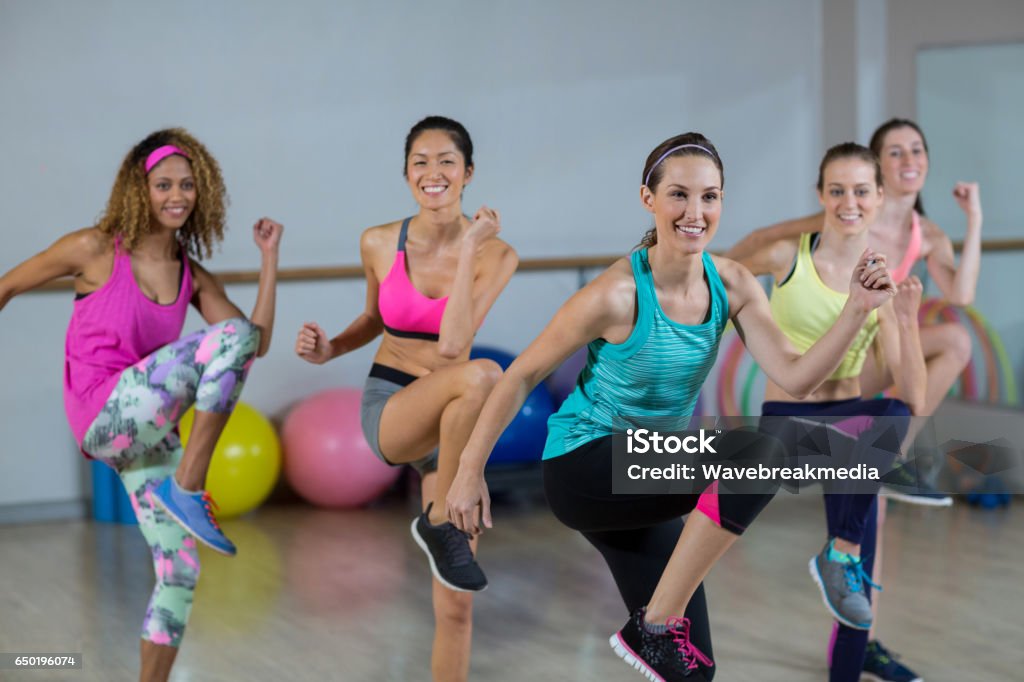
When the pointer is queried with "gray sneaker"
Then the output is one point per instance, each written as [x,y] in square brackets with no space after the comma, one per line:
[842,589]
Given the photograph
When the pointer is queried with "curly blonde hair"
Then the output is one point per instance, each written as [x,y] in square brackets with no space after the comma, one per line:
[128,212]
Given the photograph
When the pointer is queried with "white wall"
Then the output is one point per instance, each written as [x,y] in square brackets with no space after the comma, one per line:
[306,106]
[915,24]
[954,67]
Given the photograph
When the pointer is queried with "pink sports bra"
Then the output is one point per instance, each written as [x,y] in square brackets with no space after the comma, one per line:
[405,311]
[902,271]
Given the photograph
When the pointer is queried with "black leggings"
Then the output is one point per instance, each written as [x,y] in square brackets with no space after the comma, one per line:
[636,534]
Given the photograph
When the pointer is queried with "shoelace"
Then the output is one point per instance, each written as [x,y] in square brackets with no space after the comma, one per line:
[856,576]
[680,629]
[456,545]
[207,503]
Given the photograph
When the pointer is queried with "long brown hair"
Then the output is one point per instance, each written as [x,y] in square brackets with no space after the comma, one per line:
[878,139]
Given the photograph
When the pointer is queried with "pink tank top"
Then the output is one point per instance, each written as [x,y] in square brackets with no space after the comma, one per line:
[405,311]
[111,329]
[902,271]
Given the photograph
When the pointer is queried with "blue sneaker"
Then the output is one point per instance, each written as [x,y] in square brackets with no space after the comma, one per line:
[842,588]
[193,511]
[880,665]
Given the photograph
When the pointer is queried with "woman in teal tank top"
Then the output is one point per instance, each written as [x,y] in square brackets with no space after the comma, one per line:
[651,324]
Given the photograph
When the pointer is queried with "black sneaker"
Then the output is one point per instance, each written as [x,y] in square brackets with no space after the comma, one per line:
[451,558]
[903,485]
[882,666]
[661,658]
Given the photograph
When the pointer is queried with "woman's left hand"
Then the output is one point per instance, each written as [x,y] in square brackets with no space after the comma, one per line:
[968,197]
[486,225]
[267,234]
[908,298]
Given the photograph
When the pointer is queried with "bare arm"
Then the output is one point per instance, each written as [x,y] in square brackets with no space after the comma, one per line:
[484,269]
[267,235]
[958,283]
[799,375]
[900,340]
[603,308]
[747,250]
[212,301]
[774,258]
[66,257]
[313,344]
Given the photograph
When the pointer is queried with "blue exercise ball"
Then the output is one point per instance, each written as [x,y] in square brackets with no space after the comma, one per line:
[563,380]
[523,440]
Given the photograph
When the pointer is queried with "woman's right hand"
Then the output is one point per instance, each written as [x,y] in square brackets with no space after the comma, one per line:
[312,345]
[486,224]
[871,284]
[468,504]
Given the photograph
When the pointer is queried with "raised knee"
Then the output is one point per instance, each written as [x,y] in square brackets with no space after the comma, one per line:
[243,328]
[482,374]
[959,343]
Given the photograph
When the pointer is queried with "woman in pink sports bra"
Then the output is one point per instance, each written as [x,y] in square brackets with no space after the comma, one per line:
[905,235]
[129,375]
[430,280]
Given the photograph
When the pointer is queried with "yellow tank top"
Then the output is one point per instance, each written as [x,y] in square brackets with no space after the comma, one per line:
[805,308]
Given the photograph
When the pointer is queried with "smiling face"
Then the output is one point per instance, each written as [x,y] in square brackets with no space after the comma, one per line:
[172,192]
[686,202]
[904,161]
[850,195]
[436,170]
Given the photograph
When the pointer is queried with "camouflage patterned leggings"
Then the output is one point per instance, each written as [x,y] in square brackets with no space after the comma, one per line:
[135,433]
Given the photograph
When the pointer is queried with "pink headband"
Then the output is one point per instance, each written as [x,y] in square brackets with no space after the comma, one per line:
[161,153]
[673,151]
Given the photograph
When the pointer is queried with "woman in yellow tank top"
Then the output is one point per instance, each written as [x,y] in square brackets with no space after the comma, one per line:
[807,272]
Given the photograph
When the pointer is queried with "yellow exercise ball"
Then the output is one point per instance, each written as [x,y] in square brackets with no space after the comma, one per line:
[246,461]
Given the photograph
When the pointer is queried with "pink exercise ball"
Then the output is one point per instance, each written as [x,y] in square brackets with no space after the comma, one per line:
[326,459]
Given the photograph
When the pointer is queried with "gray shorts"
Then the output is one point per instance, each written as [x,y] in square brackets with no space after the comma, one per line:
[383,383]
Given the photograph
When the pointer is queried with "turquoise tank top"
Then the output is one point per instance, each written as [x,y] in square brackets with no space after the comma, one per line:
[652,378]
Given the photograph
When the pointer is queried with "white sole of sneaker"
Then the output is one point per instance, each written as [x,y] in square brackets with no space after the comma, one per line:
[430,557]
[623,651]
[813,567]
[916,499]
[178,521]
[871,677]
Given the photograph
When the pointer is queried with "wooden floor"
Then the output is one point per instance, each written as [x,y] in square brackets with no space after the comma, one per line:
[321,595]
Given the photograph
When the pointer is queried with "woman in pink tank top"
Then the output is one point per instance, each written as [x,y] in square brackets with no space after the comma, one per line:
[430,281]
[129,375]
